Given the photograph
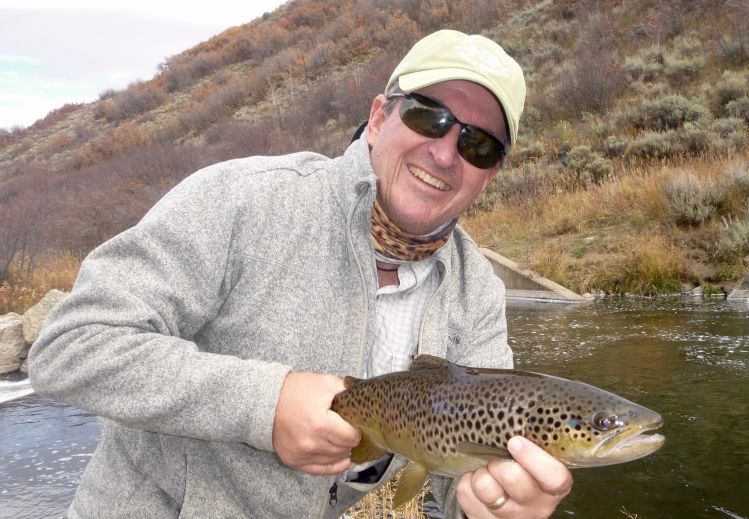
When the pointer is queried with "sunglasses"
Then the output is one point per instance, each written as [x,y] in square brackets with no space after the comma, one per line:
[431,118]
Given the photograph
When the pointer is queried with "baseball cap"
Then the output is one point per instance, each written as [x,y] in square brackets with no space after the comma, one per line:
[449,55]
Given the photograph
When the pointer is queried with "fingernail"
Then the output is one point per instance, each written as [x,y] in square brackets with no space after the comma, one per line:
[515,444]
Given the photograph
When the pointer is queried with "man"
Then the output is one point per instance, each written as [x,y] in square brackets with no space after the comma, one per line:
[211,336]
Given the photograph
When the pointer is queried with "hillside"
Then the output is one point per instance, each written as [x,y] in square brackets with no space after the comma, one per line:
[630,175]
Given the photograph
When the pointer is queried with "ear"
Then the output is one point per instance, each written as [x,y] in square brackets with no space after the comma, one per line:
[377,116]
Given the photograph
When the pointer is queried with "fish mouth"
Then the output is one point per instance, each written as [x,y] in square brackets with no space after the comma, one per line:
[630,443]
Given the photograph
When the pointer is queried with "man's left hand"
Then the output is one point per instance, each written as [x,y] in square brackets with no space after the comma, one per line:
[532,486]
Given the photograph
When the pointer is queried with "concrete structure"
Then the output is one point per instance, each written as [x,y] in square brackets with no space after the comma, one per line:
[525,284]
[741,292]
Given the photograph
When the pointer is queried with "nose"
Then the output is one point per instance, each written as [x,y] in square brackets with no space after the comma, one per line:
[445,149]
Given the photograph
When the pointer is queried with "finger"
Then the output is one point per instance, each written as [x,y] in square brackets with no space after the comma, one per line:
[322,469]
[475,508]
[342,434]
[515,481]
[485,486]
[469,502]
[549,474]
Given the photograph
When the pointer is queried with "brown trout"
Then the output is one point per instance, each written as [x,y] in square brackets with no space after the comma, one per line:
[449,419]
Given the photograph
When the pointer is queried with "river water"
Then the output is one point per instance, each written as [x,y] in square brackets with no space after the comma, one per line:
[687,359]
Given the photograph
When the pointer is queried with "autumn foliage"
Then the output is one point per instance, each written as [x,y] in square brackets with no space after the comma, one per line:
[608,91]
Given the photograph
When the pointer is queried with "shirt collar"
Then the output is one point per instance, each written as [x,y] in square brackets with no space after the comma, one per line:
[411,275]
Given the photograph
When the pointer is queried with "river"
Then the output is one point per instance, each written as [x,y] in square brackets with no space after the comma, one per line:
[687,359]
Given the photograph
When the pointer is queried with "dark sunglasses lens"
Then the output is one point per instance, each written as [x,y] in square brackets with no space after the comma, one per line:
[424,120]
[479,148]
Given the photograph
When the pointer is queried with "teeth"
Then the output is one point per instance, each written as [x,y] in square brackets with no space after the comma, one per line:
[429,179]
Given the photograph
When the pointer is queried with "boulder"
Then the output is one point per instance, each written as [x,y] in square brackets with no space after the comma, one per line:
[12,343]
[34,317]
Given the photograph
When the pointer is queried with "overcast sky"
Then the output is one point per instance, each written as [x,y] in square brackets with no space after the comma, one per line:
[54,52]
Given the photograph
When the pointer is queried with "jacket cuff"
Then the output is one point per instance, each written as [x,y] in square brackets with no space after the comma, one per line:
[261,410]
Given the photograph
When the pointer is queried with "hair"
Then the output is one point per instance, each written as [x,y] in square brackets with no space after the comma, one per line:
[391,96]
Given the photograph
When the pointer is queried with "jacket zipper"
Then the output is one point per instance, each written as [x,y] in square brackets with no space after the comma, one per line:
[443,276]
[333,490]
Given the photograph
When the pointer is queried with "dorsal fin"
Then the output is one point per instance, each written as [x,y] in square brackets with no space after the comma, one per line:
[425,361]
[350,381]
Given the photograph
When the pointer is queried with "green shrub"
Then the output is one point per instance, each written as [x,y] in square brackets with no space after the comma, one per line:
[730,87]
[729,135]
[739,108]
[678,70]
[733,243]
[692,139]
[589,166]
[725,126]
[690,200]
[735,182]
[531,151]
[666,113]
[737,178]
[614,146]
[654,145]
[638,68]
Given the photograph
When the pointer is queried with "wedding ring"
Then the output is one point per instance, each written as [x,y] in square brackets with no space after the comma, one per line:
[496,505]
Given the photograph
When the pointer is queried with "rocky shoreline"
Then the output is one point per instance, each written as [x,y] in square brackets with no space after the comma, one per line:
[18,332]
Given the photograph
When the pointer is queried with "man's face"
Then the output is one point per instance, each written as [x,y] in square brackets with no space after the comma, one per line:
[424,182]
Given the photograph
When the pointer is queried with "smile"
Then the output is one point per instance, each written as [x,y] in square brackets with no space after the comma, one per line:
[429,179]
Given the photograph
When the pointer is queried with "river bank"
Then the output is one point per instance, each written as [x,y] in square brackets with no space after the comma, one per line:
[650,229]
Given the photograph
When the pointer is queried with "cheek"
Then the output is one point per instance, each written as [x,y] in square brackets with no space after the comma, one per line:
[474,186]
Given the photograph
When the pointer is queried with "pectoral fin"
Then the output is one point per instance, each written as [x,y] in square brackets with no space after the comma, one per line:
[348,382]
[410,481]
[485,452]
[367,450]
[425,361]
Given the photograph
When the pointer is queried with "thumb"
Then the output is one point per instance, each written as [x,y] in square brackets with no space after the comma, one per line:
[342,434]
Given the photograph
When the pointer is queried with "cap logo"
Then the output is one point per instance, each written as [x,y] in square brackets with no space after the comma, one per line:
[482,57]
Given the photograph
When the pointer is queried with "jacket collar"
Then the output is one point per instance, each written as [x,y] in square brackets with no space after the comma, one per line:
[355,174]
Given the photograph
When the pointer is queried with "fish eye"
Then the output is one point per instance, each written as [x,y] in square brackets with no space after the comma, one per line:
[605,421]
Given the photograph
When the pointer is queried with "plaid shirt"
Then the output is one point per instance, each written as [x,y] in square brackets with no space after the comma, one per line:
[400,309]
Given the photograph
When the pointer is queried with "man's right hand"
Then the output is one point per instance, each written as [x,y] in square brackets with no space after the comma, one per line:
[307,435]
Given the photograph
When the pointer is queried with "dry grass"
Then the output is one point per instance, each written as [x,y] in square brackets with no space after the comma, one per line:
[550,263]
[624,235]
[378,504]
[24,288]
[648,265]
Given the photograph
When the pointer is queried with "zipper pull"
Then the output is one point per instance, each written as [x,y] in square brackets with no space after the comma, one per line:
[333,492]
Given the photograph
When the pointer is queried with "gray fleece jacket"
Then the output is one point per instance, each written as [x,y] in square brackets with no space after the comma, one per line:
[180,331]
